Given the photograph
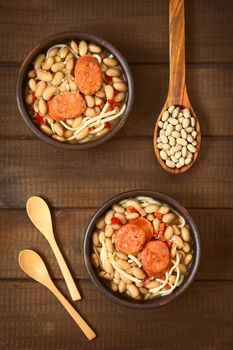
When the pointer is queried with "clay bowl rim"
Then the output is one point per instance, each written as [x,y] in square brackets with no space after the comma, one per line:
[119,298]
[41,47]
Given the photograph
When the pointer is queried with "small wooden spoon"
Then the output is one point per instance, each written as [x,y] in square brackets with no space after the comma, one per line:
[32,264]
[177,93]
[39,214]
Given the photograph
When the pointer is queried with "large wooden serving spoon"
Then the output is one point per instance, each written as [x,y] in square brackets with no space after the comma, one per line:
[177,92]
[39,214]
[32,264]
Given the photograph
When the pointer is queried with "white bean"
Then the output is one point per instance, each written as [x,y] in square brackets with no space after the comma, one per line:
[191,148]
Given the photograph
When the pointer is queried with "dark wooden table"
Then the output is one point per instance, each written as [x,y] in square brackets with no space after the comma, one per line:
[77,183]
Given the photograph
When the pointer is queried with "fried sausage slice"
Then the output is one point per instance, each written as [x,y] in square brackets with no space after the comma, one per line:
[67,104]
[130,239]
[145,225]
[155,258]
[88,75]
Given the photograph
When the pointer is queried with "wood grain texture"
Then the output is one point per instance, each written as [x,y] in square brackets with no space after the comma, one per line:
[70,225]
[209,27]
[196,321]
[210,90]
[87,178]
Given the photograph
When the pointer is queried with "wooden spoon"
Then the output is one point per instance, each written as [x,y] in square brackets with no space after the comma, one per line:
[39,214]
[177,93]
[32,264]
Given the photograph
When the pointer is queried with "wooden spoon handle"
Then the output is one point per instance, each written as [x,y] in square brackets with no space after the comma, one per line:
[75,295]
[177,85]
[89,333]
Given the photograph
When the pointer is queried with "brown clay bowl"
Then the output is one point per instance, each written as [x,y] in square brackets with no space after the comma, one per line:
[62,38]
[123,299]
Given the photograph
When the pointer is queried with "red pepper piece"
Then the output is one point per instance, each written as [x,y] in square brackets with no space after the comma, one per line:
[39,118]
[107,125]
[110,108]
[159,215]
[111,101]
[167,286]
[102,105]
[107,78]
[115,220]
[163,277]
[33,97]
[132,209]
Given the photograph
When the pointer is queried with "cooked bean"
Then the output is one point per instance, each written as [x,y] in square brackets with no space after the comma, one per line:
[113,286]
[82,134]
[57,79]
[118,208]
[183,269]
[150,217]
[46,129]
[120,86]
[108,217]
[186,247]
[105,275]
[38,61]
[122,286]
[168,233]
[49,92]
[168,218]
[94,48]
[89,112]
[156,223]
[109,92]
[58,129]
[173,250]
[108,267]
[70,64]
[108,231]
[58,66]
[110,62]
[109,245]
[63,52]
[116,281]
[123,264]
[32,74]
[178,241]
[42,106]
[44,75]
[131,216]
[73,86]
[82,48]
[164,209]
[176,230]
[40,88]
[76,122]
[95,260]
[185,233]
[32,84]
[151,208]
[48,63]
[133,290]
[90,101]
[74,46]
[188,259]
[98,101]
[152,284]
[95,239]
[113,72]
[172,279]
[58,138]
[101,236]
[138,273]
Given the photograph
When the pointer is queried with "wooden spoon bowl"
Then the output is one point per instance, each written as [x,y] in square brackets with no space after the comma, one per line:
[177,92]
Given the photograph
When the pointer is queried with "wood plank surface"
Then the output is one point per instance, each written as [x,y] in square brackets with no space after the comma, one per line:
[209,28]
[200,320]
[87,178]
[215,228]
[213,102]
